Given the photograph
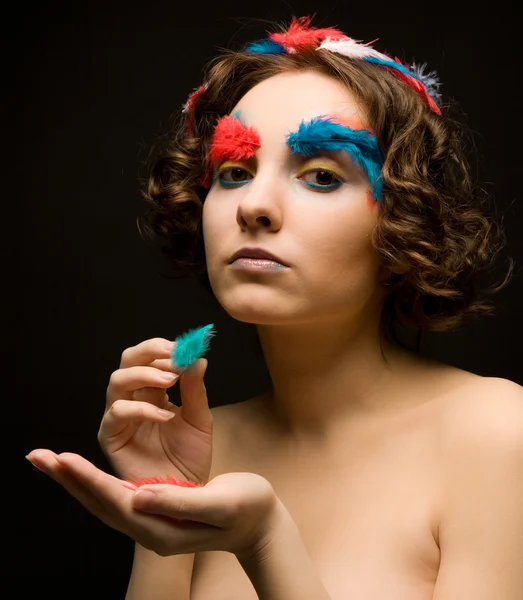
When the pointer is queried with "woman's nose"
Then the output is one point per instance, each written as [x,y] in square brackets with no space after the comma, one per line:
[261,204]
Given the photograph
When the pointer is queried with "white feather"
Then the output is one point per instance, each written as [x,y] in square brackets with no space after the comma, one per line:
[351,48]
[354,49]
[430,80]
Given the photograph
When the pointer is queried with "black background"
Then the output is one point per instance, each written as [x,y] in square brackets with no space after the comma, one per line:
[89,85]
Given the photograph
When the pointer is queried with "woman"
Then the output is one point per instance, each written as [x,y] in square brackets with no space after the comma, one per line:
[334,200]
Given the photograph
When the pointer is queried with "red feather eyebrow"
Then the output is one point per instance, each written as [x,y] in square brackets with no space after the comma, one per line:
[233,140]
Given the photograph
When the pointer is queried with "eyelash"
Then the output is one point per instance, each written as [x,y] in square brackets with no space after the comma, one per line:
[315,186]
[230,184]
[324,188]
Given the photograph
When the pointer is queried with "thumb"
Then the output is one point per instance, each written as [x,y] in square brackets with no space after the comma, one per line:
[187,503]
[193,392]
[204,362]
[197,368]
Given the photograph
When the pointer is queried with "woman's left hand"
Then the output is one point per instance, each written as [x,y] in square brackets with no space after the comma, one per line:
[234,512]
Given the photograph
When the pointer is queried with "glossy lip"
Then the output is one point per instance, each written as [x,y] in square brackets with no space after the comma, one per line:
[256,253]
[256,265]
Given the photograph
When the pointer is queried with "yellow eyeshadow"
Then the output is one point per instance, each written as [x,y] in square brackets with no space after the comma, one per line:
[316,164]
[226,165]
[229,164]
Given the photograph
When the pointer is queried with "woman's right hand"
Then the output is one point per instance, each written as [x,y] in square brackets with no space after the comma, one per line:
[142,433]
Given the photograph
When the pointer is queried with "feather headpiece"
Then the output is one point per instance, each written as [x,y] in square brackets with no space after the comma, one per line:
[188,107]
[302,37]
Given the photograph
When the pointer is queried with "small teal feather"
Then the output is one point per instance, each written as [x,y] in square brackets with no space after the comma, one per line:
[265,47]
[191,345]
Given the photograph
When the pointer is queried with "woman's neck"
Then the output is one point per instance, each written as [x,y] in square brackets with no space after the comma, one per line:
[322,375]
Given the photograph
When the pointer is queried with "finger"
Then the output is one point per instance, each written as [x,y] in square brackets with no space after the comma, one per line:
[124,382]
[145,352]
[220,503]
[164,364]
[123,412]
[102,494]
[208,505]
[94,480]
[154,396]
[48,462]
[107,498]
[43,459]
[195,405]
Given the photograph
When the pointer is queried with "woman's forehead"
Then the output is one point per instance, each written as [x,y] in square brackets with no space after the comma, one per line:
[279,116]
[283,101]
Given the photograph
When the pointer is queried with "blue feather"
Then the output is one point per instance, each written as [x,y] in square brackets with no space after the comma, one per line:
[392,64]
[191,345]
[265,47]
[323,133]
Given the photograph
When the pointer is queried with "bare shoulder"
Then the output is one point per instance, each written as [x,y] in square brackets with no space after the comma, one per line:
[465,408]
[483,410]
[464,398]
[481,492]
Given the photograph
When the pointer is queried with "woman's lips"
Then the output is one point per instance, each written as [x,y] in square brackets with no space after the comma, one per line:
[257,264]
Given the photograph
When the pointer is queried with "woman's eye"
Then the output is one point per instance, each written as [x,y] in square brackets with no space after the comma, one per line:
[233,176]
[321,179]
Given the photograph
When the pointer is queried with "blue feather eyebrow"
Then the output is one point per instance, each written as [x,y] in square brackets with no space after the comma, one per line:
[324,133]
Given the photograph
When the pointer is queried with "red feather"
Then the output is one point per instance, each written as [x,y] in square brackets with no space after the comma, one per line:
[233,140]
[136,482]
[193,96]
[189,106]
[301,37]
[418,87]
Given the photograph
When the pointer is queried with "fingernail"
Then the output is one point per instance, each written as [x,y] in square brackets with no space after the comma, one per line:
[40,466]
[166,376]
[192,369]
[143,498]
[165,413]
[169,346]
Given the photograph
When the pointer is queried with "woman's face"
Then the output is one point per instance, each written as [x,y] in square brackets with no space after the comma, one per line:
[315,213]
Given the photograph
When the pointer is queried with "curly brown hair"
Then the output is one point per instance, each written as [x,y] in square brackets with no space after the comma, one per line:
[435,234]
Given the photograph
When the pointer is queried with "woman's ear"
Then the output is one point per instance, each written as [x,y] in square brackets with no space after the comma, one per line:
[387,272]
[400,270]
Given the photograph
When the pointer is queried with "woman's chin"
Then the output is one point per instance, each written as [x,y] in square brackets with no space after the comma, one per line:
[258,313]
